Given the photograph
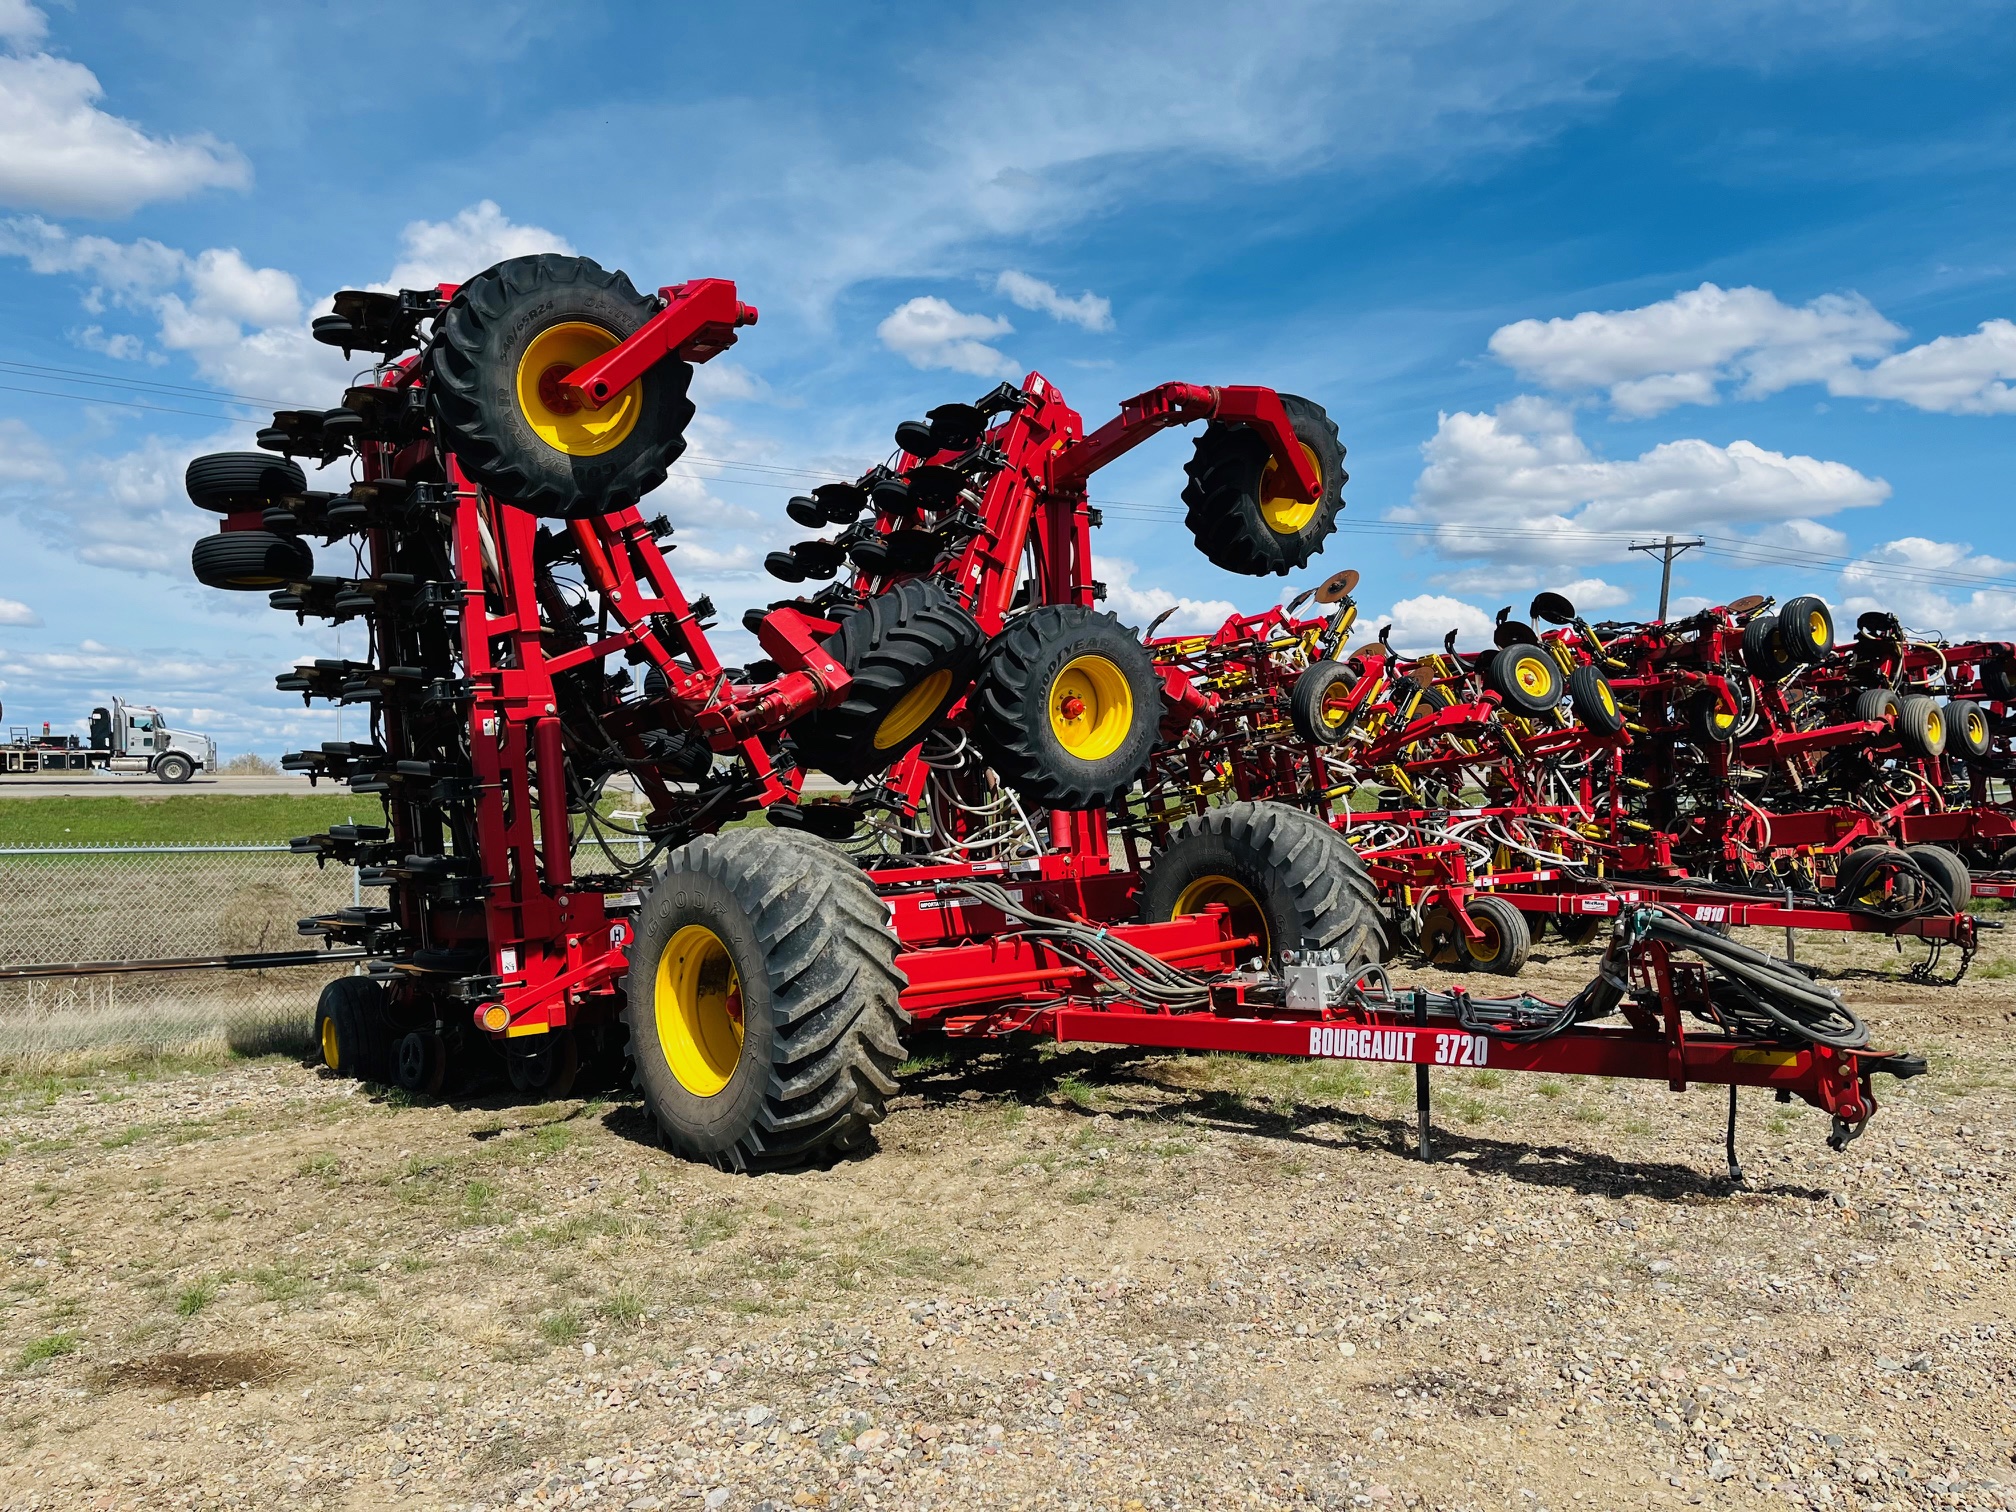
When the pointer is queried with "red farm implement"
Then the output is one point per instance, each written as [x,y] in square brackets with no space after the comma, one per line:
[1050,828]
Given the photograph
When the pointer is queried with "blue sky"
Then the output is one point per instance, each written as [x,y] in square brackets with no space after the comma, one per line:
[1566,275]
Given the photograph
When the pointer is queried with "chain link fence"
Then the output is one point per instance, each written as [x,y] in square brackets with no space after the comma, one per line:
[77,903]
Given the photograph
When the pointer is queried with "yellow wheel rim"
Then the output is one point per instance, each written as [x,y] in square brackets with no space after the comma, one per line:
[1336,706]
[1607,698]
[1091,708]
[698,1005]
[912,709]
[1488,946]
[1534,676]
[1935,729]
[558,419]
[1248,918]
[331,1052]
[1285,516]
[1816,628]
[1975,730]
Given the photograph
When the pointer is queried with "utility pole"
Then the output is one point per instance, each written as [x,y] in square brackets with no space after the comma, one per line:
[1667,549]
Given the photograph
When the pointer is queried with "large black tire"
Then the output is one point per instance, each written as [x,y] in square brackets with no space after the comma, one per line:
[1285,875]
[250,561]
[174,767]
[1039,669]
[483,393]
[1968,732]
[787,929]
[1806,627]
[911,652]
[1318,703]
[1875,703]
[1765,653]
[1594,700]
[1239,522]
[230,481]
[1527,678]
[1921,726]
[353,1031]
[1949,874]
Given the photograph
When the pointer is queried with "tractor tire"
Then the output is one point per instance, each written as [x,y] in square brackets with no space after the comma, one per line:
[1526,678]
[1711,724]
[174,767]
[1806,628]
[353,1031]
[763,1002]
[911,652]
[1286,876]
[1318,705]
[1068,707]
[1875,703]
[497,347]
[1239,523]
[1579,929]
[1765,653]
[250,561]
[1968,733]
[1594,700]
[1950,877]
[1921,726]
[229,482]
[1507,942]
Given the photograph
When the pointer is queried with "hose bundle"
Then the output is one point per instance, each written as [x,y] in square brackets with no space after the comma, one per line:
[1117,968]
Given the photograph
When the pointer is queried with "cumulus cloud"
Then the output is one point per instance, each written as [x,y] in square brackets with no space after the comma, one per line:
[1520,582]
[60,153]
[1930,585]
[1420,623]
[929,333]
[14,612]
[1691,348]
[1519,483]
[1088,309]
[450,251]
[1139,603]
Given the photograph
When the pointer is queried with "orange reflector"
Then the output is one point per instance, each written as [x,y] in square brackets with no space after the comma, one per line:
[493,1018]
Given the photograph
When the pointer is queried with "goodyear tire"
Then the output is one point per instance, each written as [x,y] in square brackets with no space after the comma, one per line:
[911,652]
[1319,704]
[1967,730]
[353,1032]
[1921,726]
[1765,653]
[1806,627]
[1239,520]
[762,1002]
[1950,877]
[506,335]
[1594,700]
[1067,707]
[250,561]
[1526,678]
[1286,876]
[227,482]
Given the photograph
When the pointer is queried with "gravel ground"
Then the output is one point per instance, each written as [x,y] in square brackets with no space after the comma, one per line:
[1097,1280]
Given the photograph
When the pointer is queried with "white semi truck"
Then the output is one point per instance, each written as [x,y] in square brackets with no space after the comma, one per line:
[130,738]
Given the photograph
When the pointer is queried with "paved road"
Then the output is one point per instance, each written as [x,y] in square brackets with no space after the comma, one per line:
[149,787]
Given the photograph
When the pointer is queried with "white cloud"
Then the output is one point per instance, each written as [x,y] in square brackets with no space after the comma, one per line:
[1688,349]
[1137,604]
[1522,485]
[1088,309]
[1521,581]
[930,333]
[451,251]
[1956,375]
[1420,623]
[60,153]
[1679,350]
[1804,535]
[14,612]
[122,347]
[1902,577]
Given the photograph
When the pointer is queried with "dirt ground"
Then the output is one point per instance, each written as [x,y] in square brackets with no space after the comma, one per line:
[1097,1280]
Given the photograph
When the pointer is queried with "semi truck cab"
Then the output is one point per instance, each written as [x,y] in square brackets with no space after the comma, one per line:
[135,738]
